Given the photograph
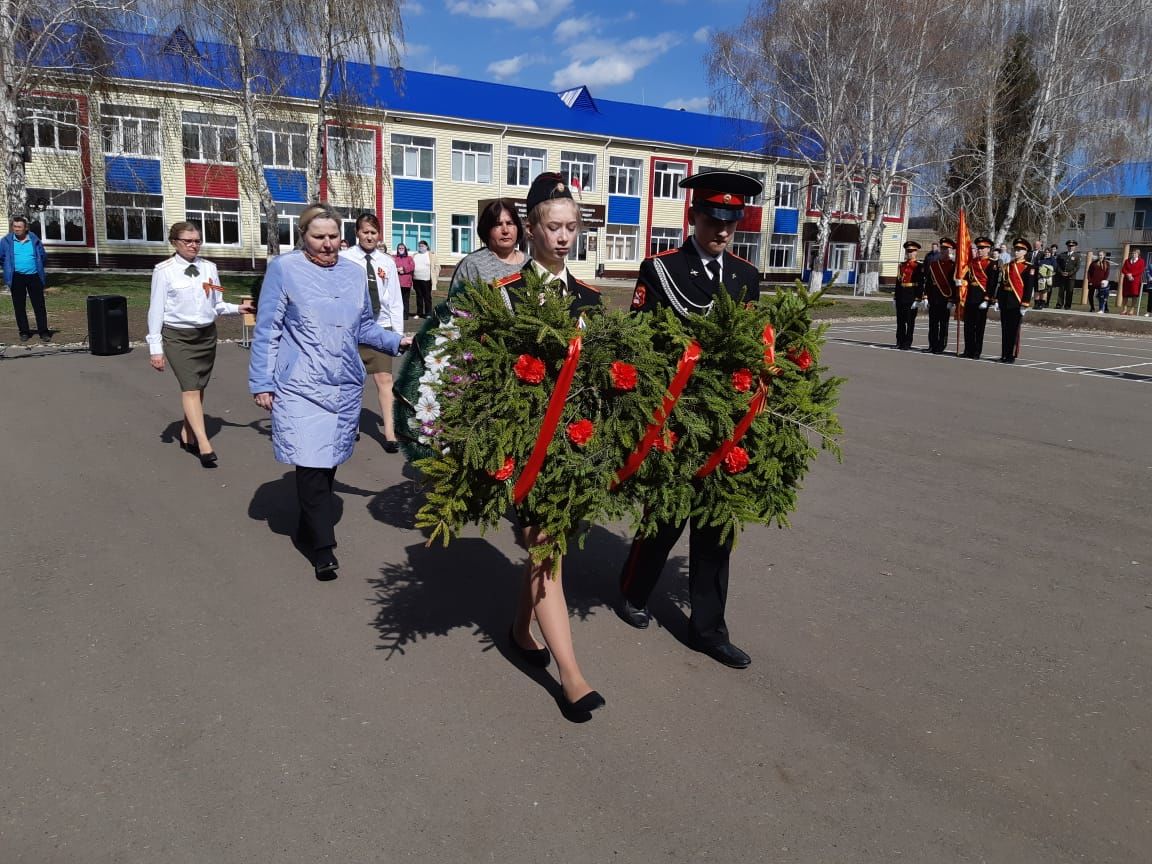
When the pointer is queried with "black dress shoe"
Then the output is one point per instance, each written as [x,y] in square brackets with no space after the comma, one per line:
[208,460]
[391,446]
[538,657]
[635,616]
[583,706]
[24,337]
[326,565]
[189,447]
[728,654]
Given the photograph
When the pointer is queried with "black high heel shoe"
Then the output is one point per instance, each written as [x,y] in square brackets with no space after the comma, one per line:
[189,446]
[583,706]
[208,460]
[538,657]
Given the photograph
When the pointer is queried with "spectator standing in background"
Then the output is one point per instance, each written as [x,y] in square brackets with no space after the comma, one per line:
[22,258]
[1067,266]
[1098,283]
[404,267]
[424,274]
[1131,280]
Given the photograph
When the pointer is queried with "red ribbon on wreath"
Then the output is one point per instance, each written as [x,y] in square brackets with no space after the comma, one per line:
[661,414]
[754,407]
[527,478]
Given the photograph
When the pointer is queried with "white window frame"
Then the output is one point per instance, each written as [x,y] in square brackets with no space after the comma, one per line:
[1110,219]
[351,150]
[283,145]
[1076,222]
[782,251]
[621,242]
[43,119]
[413,156]
[207,213]
[216,139]
[65,207]
[145,208]
[582,166]
[894,207]
[787,194]
[746,244]
[463,233]
[664,239]
[624,176]
[666,177]
[525,163]
[128,130]
[842,258]
[421,230]
[471,162]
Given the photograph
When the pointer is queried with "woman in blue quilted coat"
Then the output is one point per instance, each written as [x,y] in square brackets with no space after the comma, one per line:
[314,312]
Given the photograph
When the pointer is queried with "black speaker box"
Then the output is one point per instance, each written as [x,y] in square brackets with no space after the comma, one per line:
[107,324]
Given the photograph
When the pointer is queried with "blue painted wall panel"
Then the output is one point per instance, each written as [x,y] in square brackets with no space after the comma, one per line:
[287,186]
[127,174]
[411,194]
[786,221]
[623,210]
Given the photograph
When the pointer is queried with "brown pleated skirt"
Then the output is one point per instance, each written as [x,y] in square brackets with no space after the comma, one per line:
[375,361]
[191,352]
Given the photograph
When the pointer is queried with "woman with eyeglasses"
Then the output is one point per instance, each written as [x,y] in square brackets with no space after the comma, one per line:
[186,299]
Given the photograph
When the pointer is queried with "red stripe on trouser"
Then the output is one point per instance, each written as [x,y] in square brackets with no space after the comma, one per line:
[629,574]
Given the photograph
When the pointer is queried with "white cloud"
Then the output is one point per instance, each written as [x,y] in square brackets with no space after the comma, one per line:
[446,69]
[411,8]
[702,35]
[699,104]
[571,28]
[502,70]
[522,13]
[604,62]
[413,50]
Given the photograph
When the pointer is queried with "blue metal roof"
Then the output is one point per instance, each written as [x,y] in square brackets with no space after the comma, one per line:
[1127,180]
[160,59]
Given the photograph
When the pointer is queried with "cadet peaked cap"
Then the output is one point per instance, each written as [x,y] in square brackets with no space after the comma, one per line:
[545,187]
[721,194]
[947,243]
[911,246]
[983,242]
[1021,243]
[1071,243]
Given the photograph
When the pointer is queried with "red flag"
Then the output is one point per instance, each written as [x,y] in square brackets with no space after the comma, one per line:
[963,254]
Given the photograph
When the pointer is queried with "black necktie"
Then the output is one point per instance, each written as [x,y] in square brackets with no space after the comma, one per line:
[713,268]
[372,293]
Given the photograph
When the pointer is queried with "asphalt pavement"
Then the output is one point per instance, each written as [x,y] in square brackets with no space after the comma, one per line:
[952,646]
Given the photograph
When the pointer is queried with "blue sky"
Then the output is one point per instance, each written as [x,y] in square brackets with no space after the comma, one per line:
[651,53]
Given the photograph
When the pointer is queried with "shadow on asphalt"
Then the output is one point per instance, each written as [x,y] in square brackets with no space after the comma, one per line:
[213,425]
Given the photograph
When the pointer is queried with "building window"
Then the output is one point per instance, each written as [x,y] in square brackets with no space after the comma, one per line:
[524,163]
[788,191]
[129,131]
[1110,220]
[209,138]
[283,145]
[624,176]
[585,243]
[217,218]
[895,206]
[856,198]
[413,156]
[746,245]
[50,124]
[351,151]
[819,197]
[843,260]
[410,227]
[758,176]
[664,239]
[129,216]
[782,251]
[471,162]
[621,242]
[1137,220]
[579,169]
[286,218]
[463,233]
[1076,222]
[57,216]
[666,180]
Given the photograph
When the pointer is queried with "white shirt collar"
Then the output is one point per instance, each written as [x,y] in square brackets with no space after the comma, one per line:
[706,256]
[547,275]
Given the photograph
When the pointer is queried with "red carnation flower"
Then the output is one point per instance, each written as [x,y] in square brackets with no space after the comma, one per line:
[666,442]
[505,470]
[736,460]
[801,358]
[529,369]
[623,375]
[742,380]
[581,431]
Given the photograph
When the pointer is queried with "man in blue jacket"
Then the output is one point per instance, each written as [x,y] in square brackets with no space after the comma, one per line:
[22,258]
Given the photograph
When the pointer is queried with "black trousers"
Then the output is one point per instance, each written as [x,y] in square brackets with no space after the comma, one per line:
[1064,298]
[1010,319]
[975,320]
[707,575]
[27,286]
[905,316]
[404,294]
[317,527]
[423,296]
[1091,297]
[938,315]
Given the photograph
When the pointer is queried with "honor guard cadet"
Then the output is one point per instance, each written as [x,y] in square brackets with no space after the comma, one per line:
[977,294]
[909,292]
[1017,282]
[940,287]
[687,279]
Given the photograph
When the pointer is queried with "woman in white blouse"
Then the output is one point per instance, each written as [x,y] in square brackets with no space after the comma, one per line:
[387,305]
[186,298]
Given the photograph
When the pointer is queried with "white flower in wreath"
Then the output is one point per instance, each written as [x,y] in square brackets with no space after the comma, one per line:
[430,377]
[437,363]
[427,408]
[426,391]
